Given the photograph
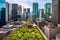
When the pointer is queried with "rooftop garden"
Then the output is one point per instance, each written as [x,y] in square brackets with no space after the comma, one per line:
[25,33]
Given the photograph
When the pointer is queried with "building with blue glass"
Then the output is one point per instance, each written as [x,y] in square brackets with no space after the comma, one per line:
[28,12]
[42,13]
[2,12]
[48,10]
[19,13]
[2,20]
[35,13]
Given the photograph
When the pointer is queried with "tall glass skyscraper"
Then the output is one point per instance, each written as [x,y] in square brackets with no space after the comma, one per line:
[19,13]
[35,11]
[2,5]
[28,11]
[2,12]
[47,10]
[42,13]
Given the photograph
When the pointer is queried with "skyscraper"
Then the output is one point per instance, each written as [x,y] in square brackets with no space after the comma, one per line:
[24,10]
[0,15]
[42,13]
[47,10]
[56,11]
[3,15]
[39,13]
[28,10]
[2,21]
[19,13]
[24,14]
[27,13]
[19,10]
[2,12]
[35,11]
[10,11]
[14,12]
[7,11]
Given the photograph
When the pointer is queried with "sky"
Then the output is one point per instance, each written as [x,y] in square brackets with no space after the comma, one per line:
[29,3]
[2,3]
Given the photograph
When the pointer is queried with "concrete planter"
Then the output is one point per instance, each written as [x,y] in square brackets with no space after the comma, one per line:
[45,37]
[39,31]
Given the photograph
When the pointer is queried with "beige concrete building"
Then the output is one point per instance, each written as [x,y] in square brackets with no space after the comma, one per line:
[7,12]
[50,31]
[56,11]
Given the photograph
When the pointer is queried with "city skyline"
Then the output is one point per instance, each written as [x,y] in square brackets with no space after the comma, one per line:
[29,3]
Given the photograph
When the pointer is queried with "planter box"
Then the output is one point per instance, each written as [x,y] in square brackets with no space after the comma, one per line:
[30,32]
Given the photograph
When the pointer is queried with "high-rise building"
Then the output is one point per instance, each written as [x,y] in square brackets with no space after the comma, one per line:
[56,11]
[24,10]
[2,12]
[19,10]
[0,15]
[14,12]
[19,13]
[3,15]
[47,10]
[7,11]
[42,13]
[27,13]
[2,21]
[28,10]
[10,11]
[24,14]
[35,14]
[39,13]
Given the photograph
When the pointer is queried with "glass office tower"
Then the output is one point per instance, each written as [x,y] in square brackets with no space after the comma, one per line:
[28,11]
[2,12]
[42,13]
[35,11]
[47,10]
[19,13]
[2,5]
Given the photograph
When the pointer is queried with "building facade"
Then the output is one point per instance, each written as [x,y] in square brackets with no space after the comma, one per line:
[2,12]
[19,13]
[42,13]
[7,12]
[47,10]
[3,17]
[27,13]
[35,13]
[24,14]
[14,12]
[56,11]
